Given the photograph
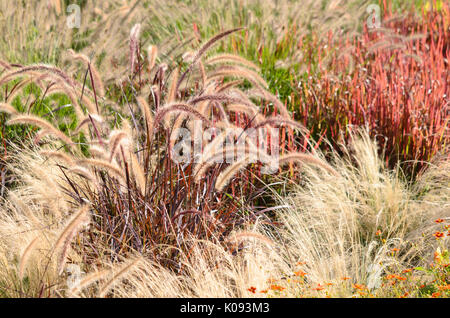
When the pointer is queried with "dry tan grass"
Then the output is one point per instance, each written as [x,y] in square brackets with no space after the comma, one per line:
[332,223]
[328,223]
[31,222]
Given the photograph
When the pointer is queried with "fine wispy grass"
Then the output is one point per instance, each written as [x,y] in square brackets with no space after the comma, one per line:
[347,233]
[93,203]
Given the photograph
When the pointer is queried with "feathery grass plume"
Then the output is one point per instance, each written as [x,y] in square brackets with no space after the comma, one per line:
[211,42]
[39,122]
[213,146]
[252,111]
[40,135]
[188,56]
[226,175]
[26,255]
[39,68]
[228,85]
[75,224]
[414,37]
[60,155]
[98,119]
[278,120]
[7,108]
[415,57]
[115,139]
[5,65]
[98,151]
[308,159]
[102,164]
[202,108]
[238,71]
[99,88]
[126,268]
[90,106]
[264,94]
[145,109]
[206,110]
[208,159]
[17,89]
[171,96]
[89,280]
[228,129]
[44,81]
[83,172]
[378,45]
[224,98]
[240,95]
[61,261]
[227,57]
[152,52]
[134,45]
[385,45]
[138,173]
[181,117]
[33,79]
[180,108]
[203,49]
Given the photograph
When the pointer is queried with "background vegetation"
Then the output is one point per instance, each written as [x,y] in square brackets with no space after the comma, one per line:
[360,207]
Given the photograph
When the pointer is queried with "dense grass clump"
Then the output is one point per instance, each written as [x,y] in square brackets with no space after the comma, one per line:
[394,80]
[129,155]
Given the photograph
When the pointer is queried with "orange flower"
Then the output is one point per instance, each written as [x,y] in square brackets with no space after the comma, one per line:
[252,290]
[345,278]
[404,295]
[301,263]
[277,287]
[437,256]
[378,233]
[435,295]
[439,220]
[393,276]
[263,291]
[395,250]
[408,270]
[390,277]
[329,284]
[300,273]
[318,288]
[444,287]
[358,286]
[438,234]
